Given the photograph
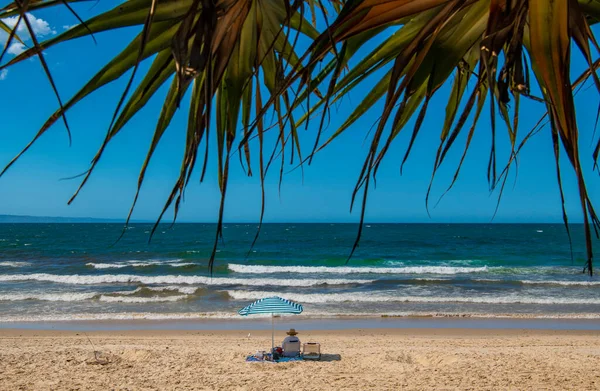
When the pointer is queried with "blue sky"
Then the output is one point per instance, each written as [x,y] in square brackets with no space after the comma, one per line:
[34,186]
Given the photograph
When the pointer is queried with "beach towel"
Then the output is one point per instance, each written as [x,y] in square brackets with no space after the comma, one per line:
[253,358]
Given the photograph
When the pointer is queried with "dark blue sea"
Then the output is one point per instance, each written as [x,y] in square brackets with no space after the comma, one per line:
[53,272]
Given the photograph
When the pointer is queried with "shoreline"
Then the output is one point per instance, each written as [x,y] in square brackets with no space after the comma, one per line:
[311,323]
[306,334]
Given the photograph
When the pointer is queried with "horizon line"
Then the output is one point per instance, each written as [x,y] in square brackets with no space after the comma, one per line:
[108,220]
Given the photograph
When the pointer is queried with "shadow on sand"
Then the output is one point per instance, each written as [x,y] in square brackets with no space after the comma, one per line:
[330,357]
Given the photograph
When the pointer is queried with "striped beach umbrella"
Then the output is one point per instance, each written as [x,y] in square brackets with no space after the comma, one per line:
[271,305]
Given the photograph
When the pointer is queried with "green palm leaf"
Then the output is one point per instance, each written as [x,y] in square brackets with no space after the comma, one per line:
[240,61]
[222,47]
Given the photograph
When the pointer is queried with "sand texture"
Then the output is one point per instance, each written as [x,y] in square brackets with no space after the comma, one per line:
[370,359]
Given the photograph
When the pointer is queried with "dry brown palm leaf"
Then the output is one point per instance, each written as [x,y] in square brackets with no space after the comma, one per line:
[225,51]
[497,47]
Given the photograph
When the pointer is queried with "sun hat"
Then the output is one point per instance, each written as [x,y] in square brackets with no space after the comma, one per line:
[292,332]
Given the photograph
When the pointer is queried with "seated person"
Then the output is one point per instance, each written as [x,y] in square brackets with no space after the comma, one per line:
[291,344]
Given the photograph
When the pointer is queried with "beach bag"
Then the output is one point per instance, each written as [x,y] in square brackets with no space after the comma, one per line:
[311,351]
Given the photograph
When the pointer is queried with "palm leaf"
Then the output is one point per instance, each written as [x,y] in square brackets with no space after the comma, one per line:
[240,60]
[424,55]
[221,56]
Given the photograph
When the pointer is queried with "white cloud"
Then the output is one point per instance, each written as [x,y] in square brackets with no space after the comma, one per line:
[16,48]
[40,27]
[69,26]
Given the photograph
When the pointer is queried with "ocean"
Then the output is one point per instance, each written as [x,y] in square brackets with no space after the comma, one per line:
[56,272]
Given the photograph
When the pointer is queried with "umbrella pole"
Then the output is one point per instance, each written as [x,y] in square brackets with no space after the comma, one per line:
[272,334]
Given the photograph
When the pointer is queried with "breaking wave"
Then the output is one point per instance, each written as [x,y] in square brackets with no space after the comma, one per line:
[152,299]
[14,264]
[378,298]
[120,265]
[173,279]
[258,269]
[68,296]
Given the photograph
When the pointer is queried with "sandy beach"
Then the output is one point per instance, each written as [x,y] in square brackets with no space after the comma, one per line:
[389,359]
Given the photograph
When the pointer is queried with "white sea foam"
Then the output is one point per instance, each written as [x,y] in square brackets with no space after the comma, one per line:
[432,279]
[563,283]
[117,296]
[130,299]
[69,296]
[107,265]
[446,262]
[125,316]
[14,264]
[258,269]
[187,290]
[539,270]
[135,316]
[540,282]
[378,298]
[120,265]
[173,279]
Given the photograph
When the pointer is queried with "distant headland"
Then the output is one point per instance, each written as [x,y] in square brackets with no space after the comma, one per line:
[12,219]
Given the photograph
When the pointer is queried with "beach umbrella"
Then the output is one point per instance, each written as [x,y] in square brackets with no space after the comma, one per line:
[271,305]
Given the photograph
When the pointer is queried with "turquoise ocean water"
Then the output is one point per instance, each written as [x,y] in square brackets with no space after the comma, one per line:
[78,272]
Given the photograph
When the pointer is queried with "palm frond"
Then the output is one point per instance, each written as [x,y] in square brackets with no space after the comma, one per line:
[494,46]
[237,61]
[226,49]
